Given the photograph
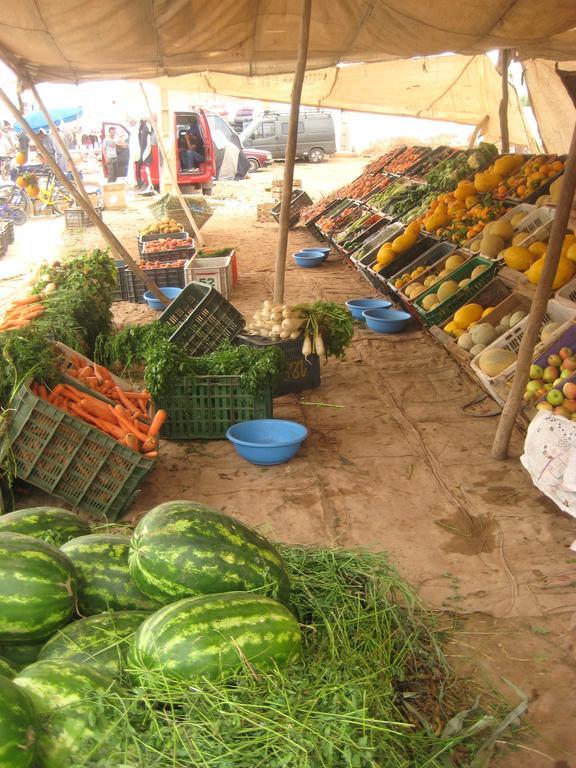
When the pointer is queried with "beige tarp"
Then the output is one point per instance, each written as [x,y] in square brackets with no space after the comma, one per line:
[76,40]
[553,107]
[461,89]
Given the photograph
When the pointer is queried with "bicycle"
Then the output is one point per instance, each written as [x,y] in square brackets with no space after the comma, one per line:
[53,197]
[11,213]
[11,194]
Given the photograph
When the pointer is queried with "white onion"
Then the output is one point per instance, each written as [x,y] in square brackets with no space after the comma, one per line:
[284,335]
[295,334]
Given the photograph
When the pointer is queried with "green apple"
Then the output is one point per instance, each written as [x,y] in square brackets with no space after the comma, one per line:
[536,371]
[550,373]
[544,407]
[533,385]
[565,373]
[555,397]
[555,360]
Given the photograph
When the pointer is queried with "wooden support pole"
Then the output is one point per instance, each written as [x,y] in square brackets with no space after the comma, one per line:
[171,169]
[538,308]
[291,152]
[60,142]
[482,126]
[86,206]
[503,109]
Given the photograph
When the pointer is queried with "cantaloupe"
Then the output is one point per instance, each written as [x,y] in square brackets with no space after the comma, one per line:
[446,290]
[548,330]
[453,261]
[477,271]
[491,245]
[483,333]
[429,301]
[503,229]
[493,362]
[465,341]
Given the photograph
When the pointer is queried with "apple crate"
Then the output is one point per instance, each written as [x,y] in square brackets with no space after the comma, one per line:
[531,407]
[473,245]
[497,386]
[461,296]
[159,236]
[434,255]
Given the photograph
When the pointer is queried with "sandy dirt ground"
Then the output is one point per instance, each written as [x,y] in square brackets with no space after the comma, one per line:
[398,466]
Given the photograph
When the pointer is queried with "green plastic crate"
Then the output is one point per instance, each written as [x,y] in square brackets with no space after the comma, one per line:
[451,304]
[204,407]
[63,455]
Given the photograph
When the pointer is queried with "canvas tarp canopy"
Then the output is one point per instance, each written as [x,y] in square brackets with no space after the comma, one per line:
[552,105]
[461,89]
[78,40]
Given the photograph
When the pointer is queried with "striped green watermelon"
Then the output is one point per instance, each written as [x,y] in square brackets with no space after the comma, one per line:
[71,700]
[52,524]
[104,581]
[22,654]
[212,634]
[7,669]
[102,640]
[37,588]
[17,727]
[182,549]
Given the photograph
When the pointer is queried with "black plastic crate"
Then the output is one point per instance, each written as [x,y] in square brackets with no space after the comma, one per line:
[299,373]
[202,319]
[133,288]
[298,200]
[76,218]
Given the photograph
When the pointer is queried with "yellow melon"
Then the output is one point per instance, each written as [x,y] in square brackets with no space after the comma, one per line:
[385,255]
[453,261]
[429,301]
[468,314]
[505,164]
[517,257]
[538,248]
[487,181]
[464,190]
[571,252]
[404,242]
[486,312]
[503,229]
[446,290]
[568,241]
[564,272]
[450,327]
[413,228]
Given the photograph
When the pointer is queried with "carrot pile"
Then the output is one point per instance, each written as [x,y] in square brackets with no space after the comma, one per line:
[21,312]
[99,378]
[115,420]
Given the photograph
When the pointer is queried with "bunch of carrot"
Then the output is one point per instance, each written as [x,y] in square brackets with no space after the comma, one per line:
[99,378]
[115,420]
[21,312]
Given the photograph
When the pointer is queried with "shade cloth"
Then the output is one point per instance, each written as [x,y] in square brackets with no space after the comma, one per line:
[37,120]
[553,107]
[76,40]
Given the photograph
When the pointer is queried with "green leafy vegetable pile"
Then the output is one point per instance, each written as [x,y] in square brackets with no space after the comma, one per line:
[446,175]
[328,326]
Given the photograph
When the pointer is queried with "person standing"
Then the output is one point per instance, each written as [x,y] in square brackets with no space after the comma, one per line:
[110,147]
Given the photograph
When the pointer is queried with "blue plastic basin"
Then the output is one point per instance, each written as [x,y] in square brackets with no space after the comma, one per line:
[267,441]
[308,259]
[386,320]
[357,306]
[154,303]
[319,249]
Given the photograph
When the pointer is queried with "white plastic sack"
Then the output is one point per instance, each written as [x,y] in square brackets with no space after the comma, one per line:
[550,458]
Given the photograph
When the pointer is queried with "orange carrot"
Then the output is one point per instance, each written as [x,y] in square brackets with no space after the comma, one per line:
[71,393]
[151,455]
[102,374]
[100,410]
[128,425]
[136,395]
[86,371]
[27,300]
[157,422]
[124,400]
[132,442]
[150,445]
[43,392]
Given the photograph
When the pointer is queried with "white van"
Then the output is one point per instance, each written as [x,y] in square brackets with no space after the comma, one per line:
[316,136]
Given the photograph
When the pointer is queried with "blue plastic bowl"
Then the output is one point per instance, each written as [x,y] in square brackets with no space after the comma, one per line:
[267,441]
[308,258]
[154,303]
[357,306]
[319,249]
[386,320]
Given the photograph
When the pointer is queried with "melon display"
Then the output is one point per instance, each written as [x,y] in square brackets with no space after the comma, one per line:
[7,669]
[492,362]
[104,582]
[71,700]
[17,727]
[37,588]
[213,634]
[182,549]
[52,524]
[100,640]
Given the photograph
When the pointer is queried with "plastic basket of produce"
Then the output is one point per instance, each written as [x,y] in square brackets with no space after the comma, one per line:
[405,259]
[556,312]
[76,218]
[299,372]
[215,272]
[147,238]
[202,319]
[206,406]
[339,219]
[408,159]
[446,306]
[167,248]
[311,223]
[298,200]
[436,157]
[373,224]
[370,246]
[217,253]
[67,457]
[518,216]
[437,253]
[532,179]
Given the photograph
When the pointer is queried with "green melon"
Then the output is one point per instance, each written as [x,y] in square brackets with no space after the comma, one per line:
[71,700]
[182,549]
[17,727]
[104,581]
[52,524]
[213,634]
[37,588]
[7,669]
[102,640]
[22,654]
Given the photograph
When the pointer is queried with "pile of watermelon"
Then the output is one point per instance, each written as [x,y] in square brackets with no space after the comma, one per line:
[192,595]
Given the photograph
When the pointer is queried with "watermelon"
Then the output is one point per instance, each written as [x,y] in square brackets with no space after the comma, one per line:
[70,698]
[104,581]
[101,640]
[17,727]
[212,634]
[183,549]
[37,588]
[22,654]
[7,669]
[52,524]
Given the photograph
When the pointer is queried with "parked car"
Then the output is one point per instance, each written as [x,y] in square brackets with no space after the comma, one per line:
[257,158]
[316,135]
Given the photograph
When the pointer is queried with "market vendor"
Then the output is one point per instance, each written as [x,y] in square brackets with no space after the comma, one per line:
[110,147]
[190,146]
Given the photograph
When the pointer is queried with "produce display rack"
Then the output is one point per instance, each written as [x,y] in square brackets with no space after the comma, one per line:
[202,319]
[298,200]
[437,156]
[206,406]
[299,372]
[429,258]
[311,225]
[67,457]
